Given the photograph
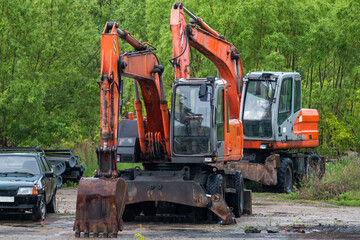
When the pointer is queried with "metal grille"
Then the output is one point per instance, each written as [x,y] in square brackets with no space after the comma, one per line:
[8,192]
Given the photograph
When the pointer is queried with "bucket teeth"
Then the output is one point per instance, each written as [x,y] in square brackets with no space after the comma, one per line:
[95,235]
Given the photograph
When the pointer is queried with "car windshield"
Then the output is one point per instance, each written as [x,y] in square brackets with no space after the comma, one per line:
[19,164]
[192,120]
[257,110]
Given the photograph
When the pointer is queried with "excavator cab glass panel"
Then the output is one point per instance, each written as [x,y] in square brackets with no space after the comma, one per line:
[285,100]
[192,120]
[220,115]
[257,108]
[297,96]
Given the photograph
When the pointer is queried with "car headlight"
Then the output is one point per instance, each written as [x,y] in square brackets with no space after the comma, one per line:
[27,191]
[38,185]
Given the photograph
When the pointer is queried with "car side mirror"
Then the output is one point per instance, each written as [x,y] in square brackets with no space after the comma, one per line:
[49,174]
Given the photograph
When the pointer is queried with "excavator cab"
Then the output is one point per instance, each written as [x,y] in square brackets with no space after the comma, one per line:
[201,122]
[192,119]
[272,113]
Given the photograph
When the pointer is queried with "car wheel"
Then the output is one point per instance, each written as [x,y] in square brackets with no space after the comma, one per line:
[39,212]
[51,207]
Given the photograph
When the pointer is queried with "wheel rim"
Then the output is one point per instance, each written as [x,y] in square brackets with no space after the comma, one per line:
[288,179]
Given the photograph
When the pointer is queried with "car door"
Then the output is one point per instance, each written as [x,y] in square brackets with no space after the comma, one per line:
[53,179]
[47,180]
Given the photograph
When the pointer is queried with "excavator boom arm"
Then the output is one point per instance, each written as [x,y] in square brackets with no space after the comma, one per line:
[213,46]
[101,200]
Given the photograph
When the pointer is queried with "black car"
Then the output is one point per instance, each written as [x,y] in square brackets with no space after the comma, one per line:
[27,183]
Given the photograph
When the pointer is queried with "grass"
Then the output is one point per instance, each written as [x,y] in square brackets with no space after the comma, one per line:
[70,184]
[340,185]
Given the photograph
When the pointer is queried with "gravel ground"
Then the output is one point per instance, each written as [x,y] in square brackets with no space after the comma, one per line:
[286,218]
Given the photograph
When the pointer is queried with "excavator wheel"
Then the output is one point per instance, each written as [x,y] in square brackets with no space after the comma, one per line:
[236,200]
[315,165]
[99,206]
[285,176]
[214,184]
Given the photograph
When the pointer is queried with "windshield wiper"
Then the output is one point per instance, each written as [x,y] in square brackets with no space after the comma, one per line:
[16,172]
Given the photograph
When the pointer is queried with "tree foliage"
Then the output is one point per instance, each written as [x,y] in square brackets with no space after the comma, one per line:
[49,59]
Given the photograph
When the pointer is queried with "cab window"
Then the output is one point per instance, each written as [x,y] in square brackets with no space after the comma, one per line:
[297,96]
[220,115]
[285,100]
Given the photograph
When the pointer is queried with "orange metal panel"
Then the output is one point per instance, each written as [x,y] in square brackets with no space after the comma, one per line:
[282,145]
[219,52]
[181,46]
[306,124]
[236,141]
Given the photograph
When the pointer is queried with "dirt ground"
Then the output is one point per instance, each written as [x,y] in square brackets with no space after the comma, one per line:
[318,220]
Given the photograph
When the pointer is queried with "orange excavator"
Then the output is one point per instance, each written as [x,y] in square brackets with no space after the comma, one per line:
[265,105]
[194,158]
[175,148]
[101,200]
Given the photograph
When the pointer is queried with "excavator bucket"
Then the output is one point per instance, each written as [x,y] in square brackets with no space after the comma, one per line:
[100,205]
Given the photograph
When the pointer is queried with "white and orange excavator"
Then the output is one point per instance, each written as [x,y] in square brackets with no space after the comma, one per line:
[266,105]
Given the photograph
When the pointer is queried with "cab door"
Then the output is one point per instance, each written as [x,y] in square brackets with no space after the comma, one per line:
[220,123]
[288,108]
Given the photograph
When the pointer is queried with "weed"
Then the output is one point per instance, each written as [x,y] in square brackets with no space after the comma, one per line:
[66,212]
[341,184]
[70,184]
[248,227]
[140,228]
[138,236]
[292,196]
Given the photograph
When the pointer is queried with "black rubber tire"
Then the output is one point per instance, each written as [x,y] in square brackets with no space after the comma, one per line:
[214,184]
[285,176]
[315,164]
[51,207]
[236,200]
[39,212]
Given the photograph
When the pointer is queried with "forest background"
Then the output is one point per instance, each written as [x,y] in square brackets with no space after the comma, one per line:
[50,60]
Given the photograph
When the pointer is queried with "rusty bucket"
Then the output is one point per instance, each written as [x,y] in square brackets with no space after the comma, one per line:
[100,205]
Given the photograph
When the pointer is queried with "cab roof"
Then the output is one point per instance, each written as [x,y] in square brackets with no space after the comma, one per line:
[268,75]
